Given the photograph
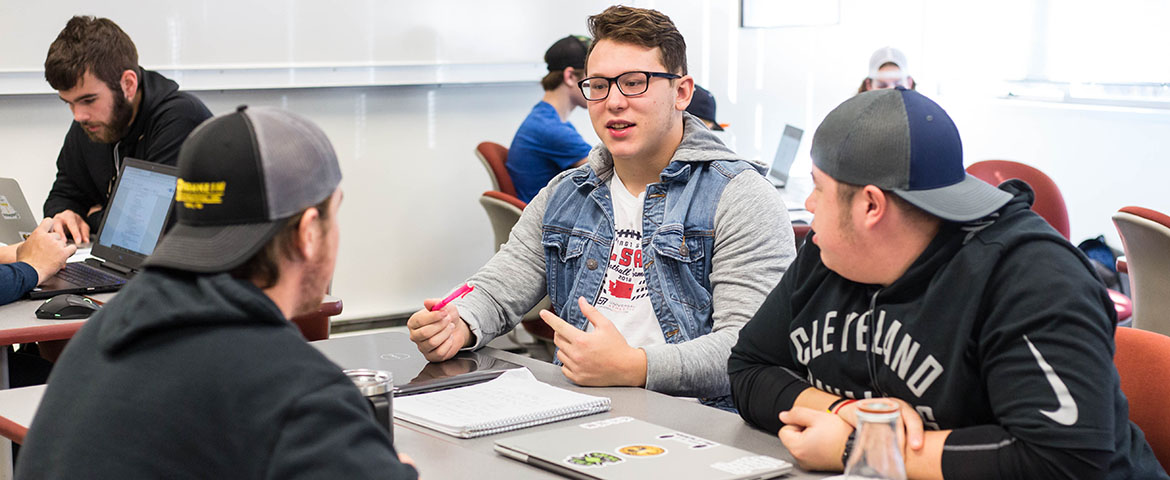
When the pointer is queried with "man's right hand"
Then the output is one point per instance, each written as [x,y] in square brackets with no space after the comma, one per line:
[45,250]
[439,335]
[69,222]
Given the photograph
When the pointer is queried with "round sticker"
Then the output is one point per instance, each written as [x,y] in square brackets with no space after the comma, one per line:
[642,450]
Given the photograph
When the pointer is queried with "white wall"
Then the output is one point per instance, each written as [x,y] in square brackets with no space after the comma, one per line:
[411,223]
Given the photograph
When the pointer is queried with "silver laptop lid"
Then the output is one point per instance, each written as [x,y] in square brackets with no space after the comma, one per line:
[16,218]
[395,353]
[785,155]
[622,448]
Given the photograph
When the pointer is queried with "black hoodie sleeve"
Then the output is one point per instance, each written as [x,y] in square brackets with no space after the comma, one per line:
[765,380]
[328,433]
[66,193]
[1046,353]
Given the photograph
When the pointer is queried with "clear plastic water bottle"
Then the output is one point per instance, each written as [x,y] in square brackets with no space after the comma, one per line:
[875,453]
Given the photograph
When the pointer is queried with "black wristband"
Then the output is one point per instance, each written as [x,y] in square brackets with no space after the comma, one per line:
[835,403]
[848,448]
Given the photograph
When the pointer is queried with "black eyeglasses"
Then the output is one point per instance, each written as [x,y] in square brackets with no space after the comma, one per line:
[629,83]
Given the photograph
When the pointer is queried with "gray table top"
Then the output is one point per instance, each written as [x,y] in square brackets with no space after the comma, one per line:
[442,456]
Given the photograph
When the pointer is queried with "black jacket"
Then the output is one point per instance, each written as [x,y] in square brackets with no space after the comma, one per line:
[966,335]
[200,376]
[84,168]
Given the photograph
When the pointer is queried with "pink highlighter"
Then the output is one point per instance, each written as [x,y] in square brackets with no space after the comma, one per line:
[458,293]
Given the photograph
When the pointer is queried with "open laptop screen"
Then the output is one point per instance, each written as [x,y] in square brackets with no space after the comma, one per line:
[785,154]
[138,210]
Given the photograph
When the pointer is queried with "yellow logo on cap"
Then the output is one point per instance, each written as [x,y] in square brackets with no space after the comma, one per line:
[196,194]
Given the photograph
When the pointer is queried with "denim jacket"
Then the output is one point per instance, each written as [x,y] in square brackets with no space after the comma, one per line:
[716,239]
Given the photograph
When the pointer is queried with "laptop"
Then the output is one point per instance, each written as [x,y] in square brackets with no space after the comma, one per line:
[16,219]
[621,448]
[133,224]
[413,374]
[785,156]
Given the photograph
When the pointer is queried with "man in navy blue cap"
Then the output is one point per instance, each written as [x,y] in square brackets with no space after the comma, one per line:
[703,106]
[946,295]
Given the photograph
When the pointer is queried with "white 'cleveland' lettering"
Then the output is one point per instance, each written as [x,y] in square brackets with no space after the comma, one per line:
[899,350]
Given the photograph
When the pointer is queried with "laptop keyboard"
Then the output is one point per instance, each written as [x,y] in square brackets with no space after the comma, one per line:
[82,274]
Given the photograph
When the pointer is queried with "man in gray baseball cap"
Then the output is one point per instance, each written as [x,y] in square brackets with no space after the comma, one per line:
[945,295]
[193,370]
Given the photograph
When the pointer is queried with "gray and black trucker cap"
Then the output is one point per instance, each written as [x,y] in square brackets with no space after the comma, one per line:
[899,140]
[241,176]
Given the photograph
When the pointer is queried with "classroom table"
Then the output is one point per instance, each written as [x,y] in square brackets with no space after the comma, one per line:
[442,456]
[434,451]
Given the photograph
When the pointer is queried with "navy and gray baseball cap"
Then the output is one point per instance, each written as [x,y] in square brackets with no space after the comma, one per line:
[901,141]
[242,175]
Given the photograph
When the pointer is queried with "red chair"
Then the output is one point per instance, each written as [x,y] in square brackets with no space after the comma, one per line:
[1145,236]
[1143,362]
[315,326]
[799,231]
[1049,204]
[494,156]
[503,211]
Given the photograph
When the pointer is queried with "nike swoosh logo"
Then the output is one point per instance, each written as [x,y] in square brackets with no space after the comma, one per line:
[1066,413]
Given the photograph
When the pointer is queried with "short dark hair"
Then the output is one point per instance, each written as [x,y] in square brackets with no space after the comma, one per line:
[551,81]
[92,44]
[264,267]
[642,27]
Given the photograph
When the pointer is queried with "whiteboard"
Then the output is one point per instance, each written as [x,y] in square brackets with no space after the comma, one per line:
[241,44]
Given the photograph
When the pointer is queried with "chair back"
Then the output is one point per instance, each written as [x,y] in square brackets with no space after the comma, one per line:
[1143,362]
[1145,236]
[494,156]
[503,211]
[1049,202]
[315,326]
[799,232]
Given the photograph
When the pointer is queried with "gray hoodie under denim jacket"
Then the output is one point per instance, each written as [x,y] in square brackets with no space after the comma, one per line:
[716,239]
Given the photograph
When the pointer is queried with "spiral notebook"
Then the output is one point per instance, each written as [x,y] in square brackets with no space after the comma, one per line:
[514,400]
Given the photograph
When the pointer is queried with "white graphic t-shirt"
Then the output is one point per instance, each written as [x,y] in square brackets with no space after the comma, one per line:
[624,300]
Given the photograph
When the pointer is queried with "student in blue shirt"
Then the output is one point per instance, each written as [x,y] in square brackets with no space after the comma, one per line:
[546,143]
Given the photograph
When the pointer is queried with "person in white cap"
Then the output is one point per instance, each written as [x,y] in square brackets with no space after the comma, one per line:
[887,69]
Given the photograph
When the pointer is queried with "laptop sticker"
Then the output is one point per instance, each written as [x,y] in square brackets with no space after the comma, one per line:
[690,441]
[593,459]
[25,235]
[642,450]
[605,423]
[6,209]
[745,465]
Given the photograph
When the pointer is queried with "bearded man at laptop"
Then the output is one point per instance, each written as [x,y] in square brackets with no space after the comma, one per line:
[119,110]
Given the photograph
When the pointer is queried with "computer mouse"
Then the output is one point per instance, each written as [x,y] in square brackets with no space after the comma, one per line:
[67,306]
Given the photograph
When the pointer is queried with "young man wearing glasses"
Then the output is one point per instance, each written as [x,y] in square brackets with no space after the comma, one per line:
[653,254]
